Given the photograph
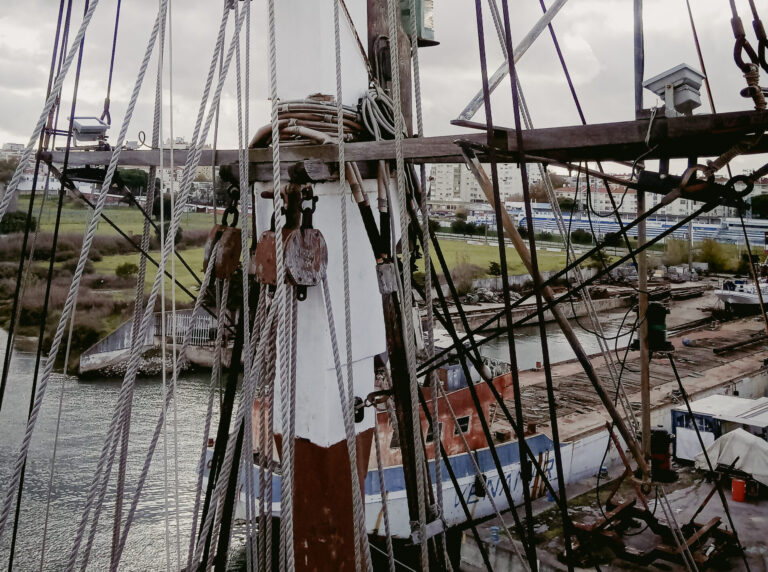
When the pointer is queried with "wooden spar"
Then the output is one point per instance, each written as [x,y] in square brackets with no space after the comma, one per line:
[676,138]
[642,258]
[519,50]
[517,241]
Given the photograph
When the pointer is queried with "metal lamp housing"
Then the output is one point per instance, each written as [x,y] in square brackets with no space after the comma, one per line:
[684,84]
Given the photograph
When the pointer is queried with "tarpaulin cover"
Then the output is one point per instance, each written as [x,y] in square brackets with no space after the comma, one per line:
[751,450]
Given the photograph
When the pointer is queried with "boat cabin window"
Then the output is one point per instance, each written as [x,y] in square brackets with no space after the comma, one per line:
[462,425]
[430,437]
[704,423]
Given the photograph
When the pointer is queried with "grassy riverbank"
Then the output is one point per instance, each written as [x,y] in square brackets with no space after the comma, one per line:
[105,300]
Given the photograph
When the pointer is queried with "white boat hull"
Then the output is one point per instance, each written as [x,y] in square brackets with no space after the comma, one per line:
[576,466]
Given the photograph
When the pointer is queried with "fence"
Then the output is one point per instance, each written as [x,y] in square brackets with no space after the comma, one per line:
[203,333]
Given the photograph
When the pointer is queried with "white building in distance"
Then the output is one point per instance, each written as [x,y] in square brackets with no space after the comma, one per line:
[452,186]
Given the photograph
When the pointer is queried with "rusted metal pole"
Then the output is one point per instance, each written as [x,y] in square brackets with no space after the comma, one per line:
[645,362]
[517,241]
[639,57]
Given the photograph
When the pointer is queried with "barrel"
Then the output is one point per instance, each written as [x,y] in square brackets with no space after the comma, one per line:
[738,489]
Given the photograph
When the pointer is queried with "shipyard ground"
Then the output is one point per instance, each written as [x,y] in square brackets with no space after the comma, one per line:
[751,519]
[703,372]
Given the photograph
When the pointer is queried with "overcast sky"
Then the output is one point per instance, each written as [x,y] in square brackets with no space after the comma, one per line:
[595,35]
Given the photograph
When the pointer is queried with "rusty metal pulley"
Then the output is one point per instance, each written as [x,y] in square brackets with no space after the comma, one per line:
[228,237]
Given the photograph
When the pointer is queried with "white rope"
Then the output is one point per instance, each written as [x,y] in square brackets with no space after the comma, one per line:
[193,160]
[360,534]
[175,371]
[383,492]
[223,288]
[249,383]
[584,293]
[479,473]
[213,520]
[281,299]
[406,297]
[63,381]
[430,345]
[349,423]
[267,371]
[138,300]
[163,329]
[161,420]
[53,97]
[67,309]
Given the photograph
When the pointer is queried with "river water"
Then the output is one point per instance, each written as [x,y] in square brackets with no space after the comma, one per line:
[86,411]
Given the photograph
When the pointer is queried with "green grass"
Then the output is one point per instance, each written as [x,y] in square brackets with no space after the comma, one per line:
[458,252]
[75,216]
[193,256]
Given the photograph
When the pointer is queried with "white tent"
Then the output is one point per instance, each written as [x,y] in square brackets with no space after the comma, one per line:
[751,450]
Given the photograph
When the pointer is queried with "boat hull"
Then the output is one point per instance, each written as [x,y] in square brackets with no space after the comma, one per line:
[479,495]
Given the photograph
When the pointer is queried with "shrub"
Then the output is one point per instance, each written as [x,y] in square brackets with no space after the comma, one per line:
[581,236]
[9,270]
[494,269]
[16,222]
[716,255]
[71,266]
[463,275]
[126,270]
[676,252]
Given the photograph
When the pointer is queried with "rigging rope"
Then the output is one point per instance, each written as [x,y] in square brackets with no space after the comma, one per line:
[222,287]
[346,398]
[406,295]
[425,220]
[193,159]
[106,113]
[87,241]
[50,101]
[282,298]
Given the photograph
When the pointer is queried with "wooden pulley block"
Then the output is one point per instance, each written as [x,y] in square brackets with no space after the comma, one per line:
[306,256]
[228,253]
[263,259]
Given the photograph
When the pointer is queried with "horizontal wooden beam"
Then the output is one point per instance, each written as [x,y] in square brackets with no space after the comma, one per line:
[674,137]
[670,137]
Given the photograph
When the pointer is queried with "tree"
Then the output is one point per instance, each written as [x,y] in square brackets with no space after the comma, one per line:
[461,214]
[676,252]
[166,206]
[134,179]
[581,236]
[7,169]
[434,225]
[715,255]
[760,206]
[494,268]
[459,226]
[538,189]
[567,204]
[16,222]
